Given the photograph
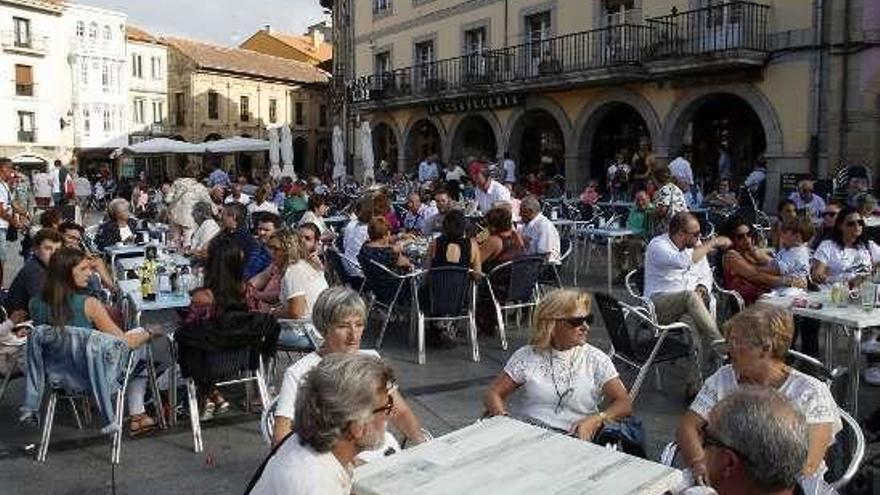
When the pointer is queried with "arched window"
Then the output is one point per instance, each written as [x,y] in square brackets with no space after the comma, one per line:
[93,30]
[108,33]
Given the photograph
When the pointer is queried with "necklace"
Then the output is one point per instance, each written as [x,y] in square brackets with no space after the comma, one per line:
[567,391]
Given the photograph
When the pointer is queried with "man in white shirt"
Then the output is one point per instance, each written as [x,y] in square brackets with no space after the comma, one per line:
[428,170]
[538,232]
[342,411]
[236,195]
[509,168]
[7,216]
[417,214]
[680,168]
[804,199]
[673,268]
[488,192]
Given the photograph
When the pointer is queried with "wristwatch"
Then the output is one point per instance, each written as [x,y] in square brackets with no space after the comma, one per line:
[604,417]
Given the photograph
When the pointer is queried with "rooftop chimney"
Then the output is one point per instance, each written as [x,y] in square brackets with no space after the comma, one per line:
[267,28]
[317,38]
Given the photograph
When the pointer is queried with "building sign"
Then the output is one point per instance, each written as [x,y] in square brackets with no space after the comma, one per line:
[475,103]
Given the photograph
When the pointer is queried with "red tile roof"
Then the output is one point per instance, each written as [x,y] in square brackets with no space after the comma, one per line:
[135,33]
[322,52]
[237,60]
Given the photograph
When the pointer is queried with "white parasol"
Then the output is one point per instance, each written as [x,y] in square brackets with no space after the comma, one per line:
[287,152]
[274,153]
[338,155]
[369,160]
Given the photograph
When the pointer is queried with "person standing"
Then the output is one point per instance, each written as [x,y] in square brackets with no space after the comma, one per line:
[59,180]
[725,163]
[488,192]
[680,168]
[185,193]
[428,170]
[7,214]
[509,168]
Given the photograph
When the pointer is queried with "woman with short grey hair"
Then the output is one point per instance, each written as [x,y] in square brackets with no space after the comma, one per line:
[119,227]
[203,215]
[339,315]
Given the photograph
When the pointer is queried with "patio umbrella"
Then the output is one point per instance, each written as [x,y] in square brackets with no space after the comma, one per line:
[367,153]
[338,155]
[274,153]
[160,146]
[287,152]
[237,144]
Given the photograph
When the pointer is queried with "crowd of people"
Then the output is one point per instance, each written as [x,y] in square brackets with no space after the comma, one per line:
[262,249]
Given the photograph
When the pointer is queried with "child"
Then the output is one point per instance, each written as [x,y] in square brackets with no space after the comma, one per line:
[793,257]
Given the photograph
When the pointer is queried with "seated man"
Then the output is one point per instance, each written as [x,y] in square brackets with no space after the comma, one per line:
[669,262]
[73,234]
[739,459]
[417,214]
[234,222]
[29,281]
[538,232]
[804,199]
[434,225]
[631,249]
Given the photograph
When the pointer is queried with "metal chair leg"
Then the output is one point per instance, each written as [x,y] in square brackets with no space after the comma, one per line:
[117,435]
[501,330]
[154,386]
[47,427]
[194,414]
[421,338]
[72,403]
[262,388]
[472,331]
[6,377]
[384,328]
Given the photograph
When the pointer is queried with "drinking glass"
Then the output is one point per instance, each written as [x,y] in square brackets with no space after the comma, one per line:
[869,296]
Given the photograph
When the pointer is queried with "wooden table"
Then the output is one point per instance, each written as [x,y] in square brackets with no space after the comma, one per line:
[851,319]
[504,456]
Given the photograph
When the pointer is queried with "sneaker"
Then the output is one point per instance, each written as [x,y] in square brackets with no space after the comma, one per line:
[207,412]
[872,376]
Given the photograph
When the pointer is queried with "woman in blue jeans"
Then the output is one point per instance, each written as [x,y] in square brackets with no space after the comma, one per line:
[62,303]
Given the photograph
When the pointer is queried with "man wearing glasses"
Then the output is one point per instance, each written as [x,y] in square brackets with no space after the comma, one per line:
[804,199]
[673,263]
[342,410]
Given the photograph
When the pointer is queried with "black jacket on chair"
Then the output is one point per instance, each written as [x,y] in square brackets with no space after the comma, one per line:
[225,346]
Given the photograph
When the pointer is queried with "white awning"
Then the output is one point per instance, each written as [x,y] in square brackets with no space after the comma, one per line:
[236,145]
[160,146]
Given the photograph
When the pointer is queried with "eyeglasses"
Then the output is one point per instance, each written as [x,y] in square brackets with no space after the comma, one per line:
[695,233]
[577,321]
[829,213]
[710,440]
[387,408]
[853,223]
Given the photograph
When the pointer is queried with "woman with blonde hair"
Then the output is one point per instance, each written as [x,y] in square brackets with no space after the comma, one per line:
[302,279]
[563,379]
[263,201]
[758,340]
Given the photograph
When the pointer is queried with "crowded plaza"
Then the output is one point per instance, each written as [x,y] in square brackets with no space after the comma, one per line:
[395,284]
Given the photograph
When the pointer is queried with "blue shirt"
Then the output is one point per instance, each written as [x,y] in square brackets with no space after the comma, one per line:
[255,254]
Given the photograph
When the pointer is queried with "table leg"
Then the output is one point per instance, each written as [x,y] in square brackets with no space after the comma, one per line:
[575,267]
[610,262]
[854,361]
[829,343]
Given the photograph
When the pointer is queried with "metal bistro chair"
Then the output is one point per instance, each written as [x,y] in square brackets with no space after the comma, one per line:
[551,274]
[850,441]
[641,349]
[520,277]
[635,284]
[337,262]
[452,296]
[267,422]
[388,290]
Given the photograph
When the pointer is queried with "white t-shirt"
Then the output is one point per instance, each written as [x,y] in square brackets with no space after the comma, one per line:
[496,193]
[354,237]
[125,233]
[266,206]
[509,170]
[845,263]
[242,198]
[794,262]
[310,217]
[302,279]
[815,205]
[6,199]
[297,469]
[807,394]
[546,377]
[542,237]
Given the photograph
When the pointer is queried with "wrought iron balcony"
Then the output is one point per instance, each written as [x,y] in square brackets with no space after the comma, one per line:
[32,44]
[27,136]
[618,53]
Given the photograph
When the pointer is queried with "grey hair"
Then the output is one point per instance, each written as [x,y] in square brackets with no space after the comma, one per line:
[202,211]
[333,305]
[115,206]
[531,203]
[765,428]
[339,391]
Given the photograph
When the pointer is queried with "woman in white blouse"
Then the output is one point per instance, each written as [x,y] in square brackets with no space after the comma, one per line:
[758,339]
[563,378]
[848,256]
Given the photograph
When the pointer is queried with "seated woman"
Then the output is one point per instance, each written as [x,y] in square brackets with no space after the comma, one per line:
[263,289]
[723,197]
[503,244]
[758,339]
[453,247]
[787,210]
[315,214]
[61,303]
[380,249]
[119,227]
[206,228]
[848,256]
[338,315]
[382,208]
[563,378]
[302,279]
[748,270]
[223,291]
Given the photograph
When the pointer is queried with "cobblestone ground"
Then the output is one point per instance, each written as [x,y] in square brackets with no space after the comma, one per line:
[445,393]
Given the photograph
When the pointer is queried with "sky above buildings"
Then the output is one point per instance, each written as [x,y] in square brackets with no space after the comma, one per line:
[225,22]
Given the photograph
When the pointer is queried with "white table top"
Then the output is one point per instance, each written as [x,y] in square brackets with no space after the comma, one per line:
[872,221]
[135,262]
[610,232]
[337,219]
[124,249]
[162,302]
[503,455]
[852,316]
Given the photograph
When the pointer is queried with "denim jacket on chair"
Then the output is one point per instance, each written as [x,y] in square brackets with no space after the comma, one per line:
[75,360]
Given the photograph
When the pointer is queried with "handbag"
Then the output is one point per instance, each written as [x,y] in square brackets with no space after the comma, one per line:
[627,434]
[69,188]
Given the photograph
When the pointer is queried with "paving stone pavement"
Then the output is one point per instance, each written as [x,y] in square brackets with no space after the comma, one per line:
[446,394]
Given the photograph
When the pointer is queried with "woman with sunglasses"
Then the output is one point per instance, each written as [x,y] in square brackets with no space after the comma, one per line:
[758,339]
[848,256]
[747,269]
[563,378]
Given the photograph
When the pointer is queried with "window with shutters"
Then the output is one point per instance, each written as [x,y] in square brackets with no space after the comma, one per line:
[213,105]
[24,80]
[26,127]
[244,108]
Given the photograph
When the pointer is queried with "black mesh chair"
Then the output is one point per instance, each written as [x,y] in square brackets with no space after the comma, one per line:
[388,290]
[451,297]
[337,262]
[513,285]
[647,343]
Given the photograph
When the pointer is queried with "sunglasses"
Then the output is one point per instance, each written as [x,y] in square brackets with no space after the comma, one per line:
[578,321]
[853,223]
[829,213]
[386,408]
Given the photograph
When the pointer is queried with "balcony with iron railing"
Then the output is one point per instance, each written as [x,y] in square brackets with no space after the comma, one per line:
[32,44]
[729,35]
[25,89]
[27,136]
